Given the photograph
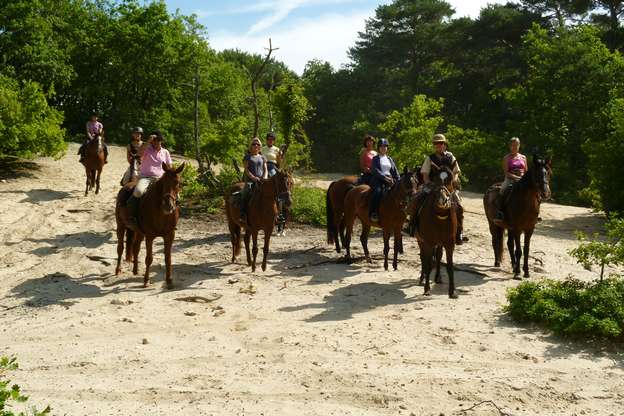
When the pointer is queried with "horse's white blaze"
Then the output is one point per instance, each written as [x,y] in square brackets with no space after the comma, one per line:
[443,176]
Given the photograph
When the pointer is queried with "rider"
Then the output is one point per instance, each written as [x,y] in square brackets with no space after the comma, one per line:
[132,152]
[514,166]
[153,155]
[442,157]
[272,154]
[366,159]
[255,169]
[384,174]
[94,129]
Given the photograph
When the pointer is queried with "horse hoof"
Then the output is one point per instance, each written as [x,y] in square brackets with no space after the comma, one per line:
[497,264]
[526,276]
[438,280]
[169,284]
[428,293]
[453,295]
[145,284]
[395,268]
[517,277]
[264,267]
[117,271]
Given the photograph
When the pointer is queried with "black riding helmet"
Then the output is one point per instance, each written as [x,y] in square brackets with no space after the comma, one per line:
[137,130]
[159,136]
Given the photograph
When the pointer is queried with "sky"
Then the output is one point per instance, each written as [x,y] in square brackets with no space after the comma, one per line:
[302,29]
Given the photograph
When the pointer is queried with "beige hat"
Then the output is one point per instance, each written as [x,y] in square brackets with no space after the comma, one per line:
[514,139]
[439,138]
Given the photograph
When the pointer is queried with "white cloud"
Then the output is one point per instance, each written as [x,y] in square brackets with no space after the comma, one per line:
[327,37]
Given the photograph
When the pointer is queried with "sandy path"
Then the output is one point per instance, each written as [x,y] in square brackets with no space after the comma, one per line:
[316,338]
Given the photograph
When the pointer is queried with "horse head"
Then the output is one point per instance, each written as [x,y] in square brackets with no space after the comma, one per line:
[409,182]
[170,187]
[543,170]
[444,188]
[283,183]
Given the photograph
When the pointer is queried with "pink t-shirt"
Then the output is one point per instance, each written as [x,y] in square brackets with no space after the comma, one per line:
[366,158]
[151,162]
[94,128]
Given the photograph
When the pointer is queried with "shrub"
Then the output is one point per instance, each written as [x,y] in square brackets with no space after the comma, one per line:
[13,393]
[308,206]
[602,253]
[205,192]
[571,307]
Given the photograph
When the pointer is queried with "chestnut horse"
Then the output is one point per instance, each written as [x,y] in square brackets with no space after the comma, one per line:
[334,204]
[392,215]
[521,211]
[94,163]
[434,223]
[158,217]
[261,214]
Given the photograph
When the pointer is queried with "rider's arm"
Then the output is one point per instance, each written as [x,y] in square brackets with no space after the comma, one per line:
[265,175]
[394,172]
[376,168]
[87,130]
[128,154]
[426,169]
[363,167]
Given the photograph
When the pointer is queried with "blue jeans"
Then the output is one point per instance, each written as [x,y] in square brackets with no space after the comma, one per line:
[272,168]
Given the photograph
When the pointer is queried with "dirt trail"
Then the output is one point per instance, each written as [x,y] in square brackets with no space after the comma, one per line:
[311,337]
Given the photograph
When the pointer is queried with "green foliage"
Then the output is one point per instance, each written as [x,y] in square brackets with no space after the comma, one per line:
[602,253]
[13,393]
[205,192]
[571,307]
[410,130]
[293,110]
[479,155]
[308,206]
[28,126]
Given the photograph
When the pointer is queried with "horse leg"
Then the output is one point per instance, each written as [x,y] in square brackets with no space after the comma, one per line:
[349,220]
[341,232]
[235,235]
[527,244]
[87,183]
[510,247]
[438,259]
[386,249]
[421,280]
[364,241]
[168,267]
[136,248]
[265,249]
[247,252]
[149,241]
[121,231]
[427,254]
[97,181]
[129,243]
[254,250]
[497,234]
[398,247]
[449,269]
[518,255]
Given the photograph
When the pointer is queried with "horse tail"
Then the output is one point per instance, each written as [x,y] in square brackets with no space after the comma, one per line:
[500,235]
[236,235]
[331,227]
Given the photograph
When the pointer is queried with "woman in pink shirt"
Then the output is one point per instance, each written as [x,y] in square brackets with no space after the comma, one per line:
[153,155]
[366,159]
[94,129]
[514,166]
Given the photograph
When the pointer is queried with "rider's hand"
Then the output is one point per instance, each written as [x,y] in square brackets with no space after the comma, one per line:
[389,180]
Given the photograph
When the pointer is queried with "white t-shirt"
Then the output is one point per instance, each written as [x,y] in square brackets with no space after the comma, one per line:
[385,165]
[270,153]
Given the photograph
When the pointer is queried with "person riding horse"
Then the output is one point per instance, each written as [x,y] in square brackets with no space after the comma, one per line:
[366,160]
[440,158]
[384,174]
[514,166]
[94,129]
[132,154]
[153,155]
[272,154]
[255,169]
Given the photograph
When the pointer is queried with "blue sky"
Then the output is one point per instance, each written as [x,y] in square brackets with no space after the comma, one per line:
[302,29]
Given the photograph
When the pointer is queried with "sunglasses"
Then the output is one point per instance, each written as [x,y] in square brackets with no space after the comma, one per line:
[255,144]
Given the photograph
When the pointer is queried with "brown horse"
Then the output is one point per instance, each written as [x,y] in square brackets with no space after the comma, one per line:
[392,215]
[94,163]
[158,217]
[434,222]
[334,204]
[521,211]
[261,214]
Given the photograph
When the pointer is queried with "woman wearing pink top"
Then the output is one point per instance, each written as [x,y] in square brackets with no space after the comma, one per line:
[514,166]
[153,155]
[366,159]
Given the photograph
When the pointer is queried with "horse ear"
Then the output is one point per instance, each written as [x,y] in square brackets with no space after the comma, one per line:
[180,168]
[165,167]
[405,170]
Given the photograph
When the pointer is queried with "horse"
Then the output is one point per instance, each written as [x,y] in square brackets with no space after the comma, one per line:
[521,213]
[334,203]
[261,214]
[158,216]
[93,162]
[434,223]
[392,215]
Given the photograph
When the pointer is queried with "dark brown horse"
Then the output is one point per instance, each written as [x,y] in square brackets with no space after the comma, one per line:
[334,204]
[521,211]
[94,163]
[434,222]
[158,217]
[261,215]
[392,214]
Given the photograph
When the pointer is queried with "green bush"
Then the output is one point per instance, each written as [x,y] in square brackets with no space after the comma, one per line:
[571,307]
[308,206]
[13,392]
[602,253]
[205,192]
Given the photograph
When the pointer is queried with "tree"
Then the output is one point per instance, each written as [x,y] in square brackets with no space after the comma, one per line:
[293,110]
[560,11]
[602,253]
